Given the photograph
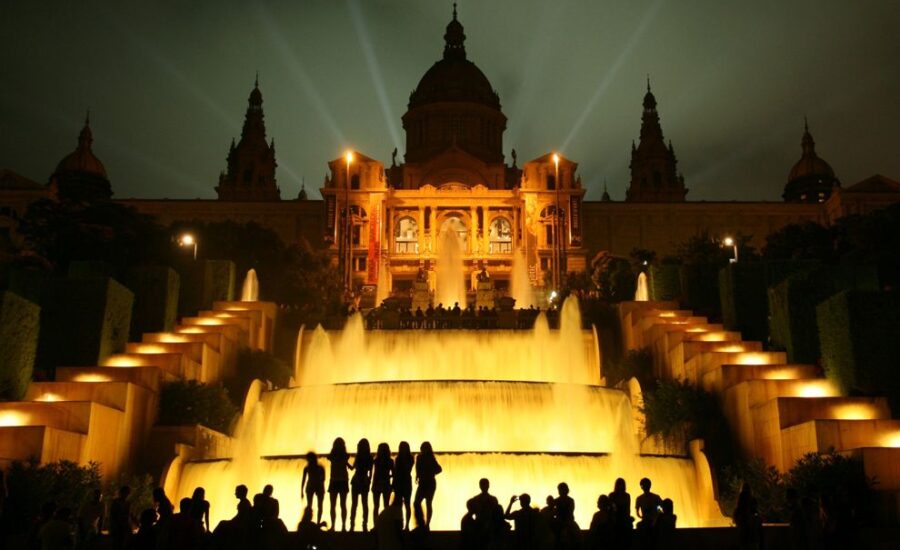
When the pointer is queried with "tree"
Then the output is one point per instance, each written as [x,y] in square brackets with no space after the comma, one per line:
[800,241]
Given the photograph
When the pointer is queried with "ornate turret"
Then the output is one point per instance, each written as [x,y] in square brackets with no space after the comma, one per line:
[654,177]
[80,175]
[811,179]
[251,162]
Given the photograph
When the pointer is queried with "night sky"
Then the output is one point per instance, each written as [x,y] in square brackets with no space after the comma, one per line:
[167,84]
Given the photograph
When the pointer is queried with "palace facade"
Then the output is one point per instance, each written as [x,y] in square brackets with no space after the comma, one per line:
[388,222]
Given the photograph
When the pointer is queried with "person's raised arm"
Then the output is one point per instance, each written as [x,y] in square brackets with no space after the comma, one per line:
[507,514]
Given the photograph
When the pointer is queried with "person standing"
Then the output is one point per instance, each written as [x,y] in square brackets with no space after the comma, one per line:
[427,469]
[382,474]
[361,483]
[313,482]
[200,508]
[403,479]
[622,520]
[120,519]
[338,482]
[746,519]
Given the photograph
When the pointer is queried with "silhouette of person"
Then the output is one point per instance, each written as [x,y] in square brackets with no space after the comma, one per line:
[622,520]
[382,473]
[427,469]
[389,526]
[59,532]
[90,516]
[484,502]
[403,478]
[421,533]
[185,531]
[145,538]
[526,521]
[361,482]
[244,508]
[746,518]
[309,533]
[120,519]
[665,524]
[647,506]
[600,532]
[565,517]
[200,507]
[313,482]
[338,482]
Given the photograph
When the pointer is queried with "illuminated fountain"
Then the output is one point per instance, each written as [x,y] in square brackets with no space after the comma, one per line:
[641,294]
[250,289]
[524,409]
[450,285]
[521,285]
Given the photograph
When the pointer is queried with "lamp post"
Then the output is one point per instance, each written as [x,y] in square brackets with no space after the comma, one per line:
[557,232]
[728,241]
[348,225]
[187,239]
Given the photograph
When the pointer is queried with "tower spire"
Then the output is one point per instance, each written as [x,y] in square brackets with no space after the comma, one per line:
[256,82]
[454,11]
[454,39]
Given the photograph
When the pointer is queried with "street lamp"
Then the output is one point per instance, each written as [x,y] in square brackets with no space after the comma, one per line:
[187,239]
[728,241]
[556,226]
[348,239]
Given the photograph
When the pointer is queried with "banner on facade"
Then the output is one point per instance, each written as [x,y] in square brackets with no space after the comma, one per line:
[330,218]
[372,264]
[575,220]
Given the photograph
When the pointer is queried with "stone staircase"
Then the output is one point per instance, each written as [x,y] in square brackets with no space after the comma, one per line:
[778,411]
[106,413]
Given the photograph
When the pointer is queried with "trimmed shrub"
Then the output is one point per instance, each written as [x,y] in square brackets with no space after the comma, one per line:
[90,268]
[155,299]
[676,409]
[83,321]
[20,322]
[743,293]
[30,485]
[665,282]
[189,402]
[792,306]
[857,337]
[766,483]
[141,485]
[204,282]
[636,364]
[27,282]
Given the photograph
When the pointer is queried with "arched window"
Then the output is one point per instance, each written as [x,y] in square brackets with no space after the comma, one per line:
[456,224]
[500,236]
[406,236]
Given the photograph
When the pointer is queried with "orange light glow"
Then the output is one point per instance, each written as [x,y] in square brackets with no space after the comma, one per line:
[13,418]
[784,373]
[171,338]
[855,411]
[150,348]
[348,156]
[124,361]
[698,330]
[752,358]
[891,440]
[667,314]
[210,322]
[49,396]
[733,348]
[818,388]
[91,378]
[192,330]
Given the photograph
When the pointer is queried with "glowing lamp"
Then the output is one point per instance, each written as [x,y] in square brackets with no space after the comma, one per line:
[123,361]
[728,241]
[555,158]
[49,396]
[169,338]
[854,411]
[786,373]
[348,157]
[186,240]
[87,377]
[150,348]
[13,418]
[817,388]
[891,440]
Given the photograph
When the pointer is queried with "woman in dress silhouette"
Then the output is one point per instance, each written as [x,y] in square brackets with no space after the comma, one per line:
[381,477]
[338,483]
[427,468]
[403,478]
[362,480]
[314,482]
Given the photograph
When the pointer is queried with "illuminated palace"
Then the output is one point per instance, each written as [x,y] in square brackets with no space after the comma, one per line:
[454,177]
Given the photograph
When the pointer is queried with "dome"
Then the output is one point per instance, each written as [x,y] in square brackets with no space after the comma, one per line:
[454,78]
[82,160]
[810,165]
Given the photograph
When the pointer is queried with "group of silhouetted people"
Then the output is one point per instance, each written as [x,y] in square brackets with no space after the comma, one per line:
[440,317]
[380,475]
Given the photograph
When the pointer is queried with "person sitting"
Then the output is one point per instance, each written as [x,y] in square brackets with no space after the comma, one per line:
[647,506]
[665,524]
[600,532]
[145,538]
[483,504]
[389,526]
[59,532]
[526,521]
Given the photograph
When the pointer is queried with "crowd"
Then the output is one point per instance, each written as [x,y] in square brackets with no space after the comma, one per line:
[440,317]
[256,523]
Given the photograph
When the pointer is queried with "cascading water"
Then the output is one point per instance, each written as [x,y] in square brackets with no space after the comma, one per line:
[250,288]
[641,293]
[521,285]
[523,409]
[450,285]
[383,286]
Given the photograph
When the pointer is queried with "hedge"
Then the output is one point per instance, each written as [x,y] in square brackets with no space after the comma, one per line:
[665,282]
[27,282]
[90,268]
[204,282]
[700,288]
[184,403]
[792,306]
[858,338]
[155,291]
[742,293]
[83,321]
[20,322]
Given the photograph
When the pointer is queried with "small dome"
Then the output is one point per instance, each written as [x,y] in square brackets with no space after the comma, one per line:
[82,160]
[810,165]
